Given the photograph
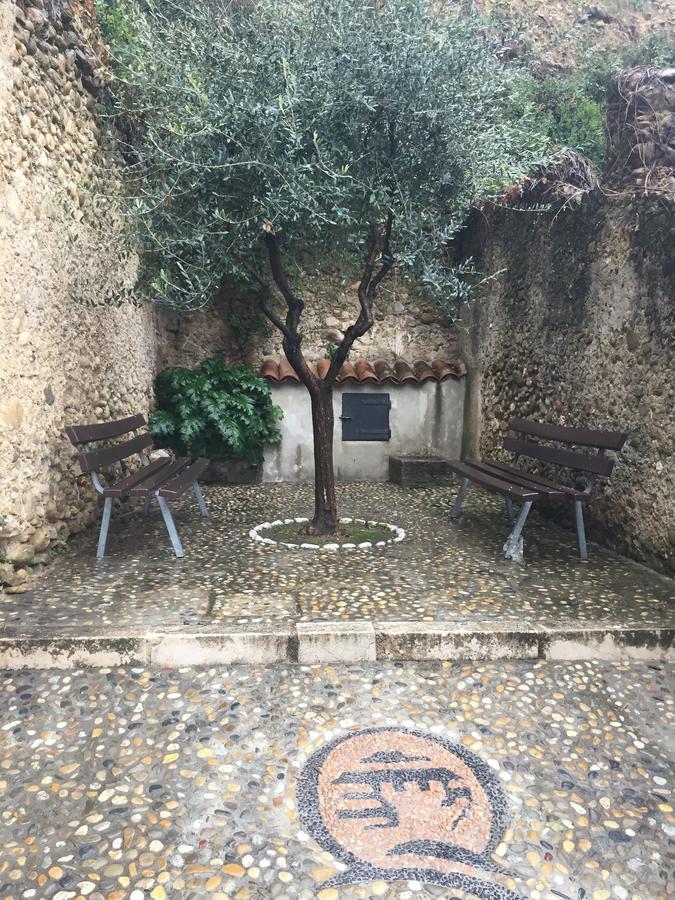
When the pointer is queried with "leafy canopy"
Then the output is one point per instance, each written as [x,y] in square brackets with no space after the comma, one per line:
[311,118]
[214,411]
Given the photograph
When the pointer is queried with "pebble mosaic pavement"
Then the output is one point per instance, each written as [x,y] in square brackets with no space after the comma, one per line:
[452,573]
[127,783]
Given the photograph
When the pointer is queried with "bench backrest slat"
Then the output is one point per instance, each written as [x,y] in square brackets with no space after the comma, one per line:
[598,465]
[93,460]
[582,437]
[86,434]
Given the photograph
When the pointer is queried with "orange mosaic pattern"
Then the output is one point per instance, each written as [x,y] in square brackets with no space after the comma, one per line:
[398,804]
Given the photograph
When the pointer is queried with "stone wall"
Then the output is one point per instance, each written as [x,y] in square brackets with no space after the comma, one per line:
[67,356]
[406,325]
[580,330]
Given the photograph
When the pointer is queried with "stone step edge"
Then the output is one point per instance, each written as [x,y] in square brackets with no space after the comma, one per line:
[338,642]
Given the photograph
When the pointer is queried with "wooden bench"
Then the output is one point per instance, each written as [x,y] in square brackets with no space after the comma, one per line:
[165,478]
[526,488]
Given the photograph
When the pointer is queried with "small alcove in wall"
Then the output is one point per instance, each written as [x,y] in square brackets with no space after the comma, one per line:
[381,410]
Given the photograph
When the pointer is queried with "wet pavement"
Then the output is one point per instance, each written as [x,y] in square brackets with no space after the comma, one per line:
[497,781]
[442,572]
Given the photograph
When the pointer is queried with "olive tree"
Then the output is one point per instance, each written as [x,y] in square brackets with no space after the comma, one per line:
[259,136]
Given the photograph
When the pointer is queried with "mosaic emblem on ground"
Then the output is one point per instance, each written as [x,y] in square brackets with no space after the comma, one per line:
[395,804]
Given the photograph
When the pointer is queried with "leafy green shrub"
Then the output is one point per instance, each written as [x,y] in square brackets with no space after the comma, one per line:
[215,411]
[571,108]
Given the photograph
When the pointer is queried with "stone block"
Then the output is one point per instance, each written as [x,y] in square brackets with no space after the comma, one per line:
[41,539]
[610,645]
[221,648]
[335,642]
[438,640]
[419,471]
[71,653]
[18,553]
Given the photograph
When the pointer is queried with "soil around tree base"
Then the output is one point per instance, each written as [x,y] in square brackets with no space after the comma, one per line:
[354,532]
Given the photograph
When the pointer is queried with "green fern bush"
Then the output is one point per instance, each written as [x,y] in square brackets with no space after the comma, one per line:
[215,410]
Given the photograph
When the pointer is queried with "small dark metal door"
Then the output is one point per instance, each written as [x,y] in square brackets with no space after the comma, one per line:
[365,417]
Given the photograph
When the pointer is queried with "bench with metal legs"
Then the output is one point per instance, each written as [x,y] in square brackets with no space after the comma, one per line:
[164,479]
[518,485]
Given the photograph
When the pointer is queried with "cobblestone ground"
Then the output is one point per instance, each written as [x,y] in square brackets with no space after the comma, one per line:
[497,781]
[441,572]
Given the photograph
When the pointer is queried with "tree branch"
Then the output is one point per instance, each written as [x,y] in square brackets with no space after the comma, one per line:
[378,248]
[295,304]
[387,261]
[289,329]
[265,300]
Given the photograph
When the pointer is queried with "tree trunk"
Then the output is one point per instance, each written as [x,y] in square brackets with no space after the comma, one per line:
[325,519]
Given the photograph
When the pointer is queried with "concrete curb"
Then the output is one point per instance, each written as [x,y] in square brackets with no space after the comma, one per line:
[340,642]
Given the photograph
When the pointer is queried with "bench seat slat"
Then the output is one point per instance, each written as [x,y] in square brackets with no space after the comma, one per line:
[184,480]
[499,485]
[599,465]
[157,479]
[537,480]
[123,487]
[93,460]
[103,431]
[521,478]
[582,437]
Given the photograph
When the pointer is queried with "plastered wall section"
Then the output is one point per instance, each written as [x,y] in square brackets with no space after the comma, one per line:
[425,419]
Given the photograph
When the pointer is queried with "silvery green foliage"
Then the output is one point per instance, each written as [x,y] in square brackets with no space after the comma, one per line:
[309,117]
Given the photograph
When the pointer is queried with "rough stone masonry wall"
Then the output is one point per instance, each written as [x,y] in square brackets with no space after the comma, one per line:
[66,356]
[580,330]
[406,325]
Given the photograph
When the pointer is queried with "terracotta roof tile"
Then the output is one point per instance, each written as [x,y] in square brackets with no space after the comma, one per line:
[383,370]
[403,371]
[270,369]
[362,371]
[423,371]
[348,373]
[321,367]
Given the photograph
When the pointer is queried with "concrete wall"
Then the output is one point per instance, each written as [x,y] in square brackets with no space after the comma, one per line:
[424,419]
[580,331]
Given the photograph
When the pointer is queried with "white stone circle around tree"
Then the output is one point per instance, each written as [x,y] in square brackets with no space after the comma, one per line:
[257,534]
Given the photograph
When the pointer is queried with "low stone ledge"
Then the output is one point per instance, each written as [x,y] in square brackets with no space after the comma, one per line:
[340,642]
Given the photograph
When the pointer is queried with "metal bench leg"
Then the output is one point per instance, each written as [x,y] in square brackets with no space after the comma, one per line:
[200,499]
[170,526]
[509,508]
[581,531]
[513,548]
[105,524]
[459,499]
[146,508]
